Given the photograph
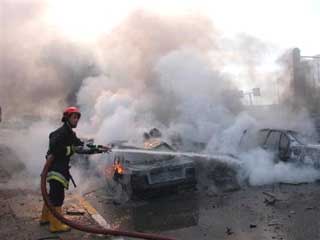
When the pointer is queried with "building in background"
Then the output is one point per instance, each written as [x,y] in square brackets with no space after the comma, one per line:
[306,81]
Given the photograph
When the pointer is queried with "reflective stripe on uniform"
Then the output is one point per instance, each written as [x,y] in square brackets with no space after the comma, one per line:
[68,151]
[52,175]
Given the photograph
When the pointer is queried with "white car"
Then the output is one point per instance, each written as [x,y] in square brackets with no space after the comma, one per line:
[287,145]
[142,173]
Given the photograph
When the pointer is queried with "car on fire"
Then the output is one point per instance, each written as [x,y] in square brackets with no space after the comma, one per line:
[143,173]
[287,145]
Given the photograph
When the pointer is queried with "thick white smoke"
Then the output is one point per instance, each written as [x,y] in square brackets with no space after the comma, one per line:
[40,69]
[260,169]
[164,67]
[28,146]
[151,71]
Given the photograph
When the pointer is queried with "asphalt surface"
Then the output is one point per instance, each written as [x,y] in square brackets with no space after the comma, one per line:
[20,211]
[280,211]
[267,212]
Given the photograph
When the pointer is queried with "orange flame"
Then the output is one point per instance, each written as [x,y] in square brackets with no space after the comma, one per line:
[118,168]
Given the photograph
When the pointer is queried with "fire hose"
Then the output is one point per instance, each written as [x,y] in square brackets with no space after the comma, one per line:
[80,227]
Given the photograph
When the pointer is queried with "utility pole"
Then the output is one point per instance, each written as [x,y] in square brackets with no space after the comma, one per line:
[298,83]
[313,68]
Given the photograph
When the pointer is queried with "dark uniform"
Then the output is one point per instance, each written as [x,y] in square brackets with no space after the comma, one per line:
[63,143]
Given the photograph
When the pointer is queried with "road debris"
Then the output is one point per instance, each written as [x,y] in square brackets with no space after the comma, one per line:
[93,191]
[270,195]
[271,199]
[50,237]
[310,208]
[274,224]
[269,202]
[229,231]
[75,210]
[292,212]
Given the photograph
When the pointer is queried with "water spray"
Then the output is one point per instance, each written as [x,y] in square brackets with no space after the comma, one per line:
[220,157]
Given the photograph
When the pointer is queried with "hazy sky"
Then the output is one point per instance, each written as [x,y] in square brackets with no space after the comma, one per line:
[47,45]
[285,23]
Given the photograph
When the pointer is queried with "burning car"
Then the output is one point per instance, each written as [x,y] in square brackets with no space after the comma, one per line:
[287,145]
[144,171]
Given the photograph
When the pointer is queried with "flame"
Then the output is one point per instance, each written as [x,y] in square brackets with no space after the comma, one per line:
[118,168]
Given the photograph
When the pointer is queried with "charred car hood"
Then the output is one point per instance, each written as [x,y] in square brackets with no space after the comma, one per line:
[308,154]
[313,146]
[161,164]
[307,147]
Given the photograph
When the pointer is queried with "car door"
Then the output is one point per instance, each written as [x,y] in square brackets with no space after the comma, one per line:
[262,137]
[284,147]
[272,143]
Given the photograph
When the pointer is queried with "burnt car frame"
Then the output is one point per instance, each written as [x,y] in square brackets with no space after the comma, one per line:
[287,146]
[148,174]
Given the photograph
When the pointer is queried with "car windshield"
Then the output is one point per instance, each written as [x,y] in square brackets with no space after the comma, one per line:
[145,158]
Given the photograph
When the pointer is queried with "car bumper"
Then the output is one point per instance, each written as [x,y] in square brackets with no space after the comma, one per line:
[141,185]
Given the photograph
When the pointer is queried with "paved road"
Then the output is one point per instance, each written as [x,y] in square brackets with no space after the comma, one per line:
[257,213]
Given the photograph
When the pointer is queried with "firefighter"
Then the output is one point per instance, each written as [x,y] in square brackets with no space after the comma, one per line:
[63,143]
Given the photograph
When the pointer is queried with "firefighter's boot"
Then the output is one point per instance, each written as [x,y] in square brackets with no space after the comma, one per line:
[55,224]
[44,219]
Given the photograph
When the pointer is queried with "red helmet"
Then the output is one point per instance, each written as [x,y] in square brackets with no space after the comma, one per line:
[68,111]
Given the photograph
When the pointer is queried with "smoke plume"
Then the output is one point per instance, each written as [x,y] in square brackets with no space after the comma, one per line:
[40,71]
[152,70]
